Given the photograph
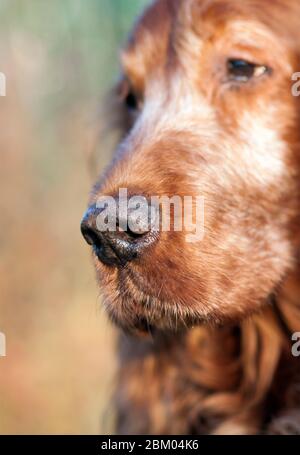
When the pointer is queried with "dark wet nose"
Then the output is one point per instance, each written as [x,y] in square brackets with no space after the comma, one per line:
[121,244]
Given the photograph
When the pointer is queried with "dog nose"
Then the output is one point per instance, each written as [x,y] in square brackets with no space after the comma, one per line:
[112,244]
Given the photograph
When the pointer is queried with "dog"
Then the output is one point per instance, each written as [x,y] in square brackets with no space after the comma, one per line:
[206,106]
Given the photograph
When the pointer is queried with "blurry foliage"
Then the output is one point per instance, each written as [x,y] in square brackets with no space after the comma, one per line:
[75,43]
[59,57]
[79,34]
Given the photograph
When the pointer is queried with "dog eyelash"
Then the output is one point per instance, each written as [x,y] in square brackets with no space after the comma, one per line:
[242,71]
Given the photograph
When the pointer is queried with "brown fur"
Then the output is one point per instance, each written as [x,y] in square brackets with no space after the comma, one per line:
[221,312]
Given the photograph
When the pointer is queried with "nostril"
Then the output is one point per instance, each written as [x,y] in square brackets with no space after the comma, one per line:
[101,242]
[88,226]
[89,234]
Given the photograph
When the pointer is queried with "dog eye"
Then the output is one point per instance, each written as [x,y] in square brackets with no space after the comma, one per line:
[131,102]
[243,71]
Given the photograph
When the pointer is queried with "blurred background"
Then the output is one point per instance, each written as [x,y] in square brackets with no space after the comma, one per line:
[59,58]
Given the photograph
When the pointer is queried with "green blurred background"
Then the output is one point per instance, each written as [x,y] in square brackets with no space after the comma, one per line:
[59,58]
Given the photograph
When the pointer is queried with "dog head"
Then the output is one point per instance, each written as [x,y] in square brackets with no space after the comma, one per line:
[210,117]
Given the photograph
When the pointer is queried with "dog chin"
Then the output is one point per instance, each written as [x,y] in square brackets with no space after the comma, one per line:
[135,317]
[156,319]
